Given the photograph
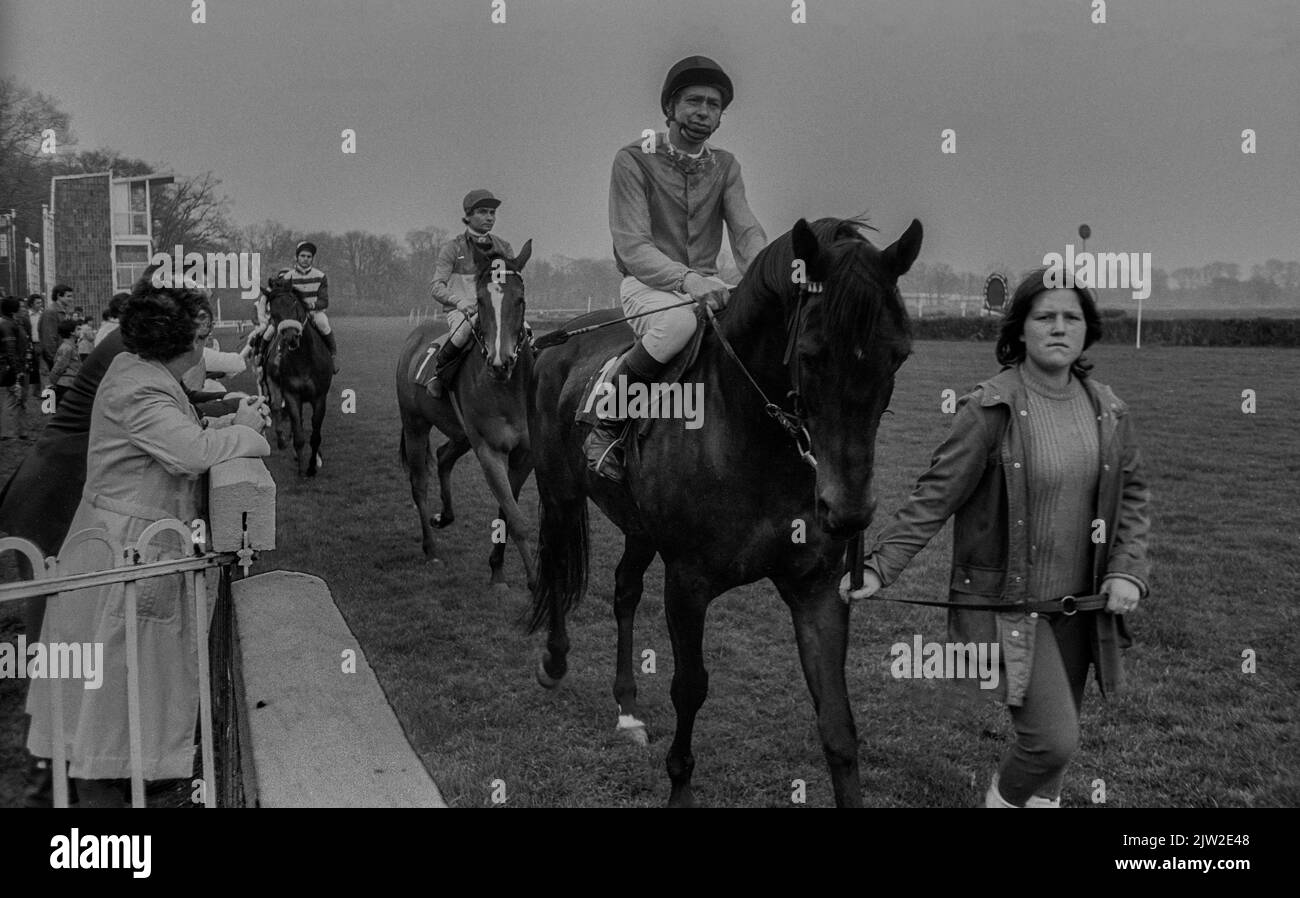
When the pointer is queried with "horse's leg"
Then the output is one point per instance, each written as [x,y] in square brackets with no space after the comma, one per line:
[415,453]
[275,398]
[498,478]
[821,627]
[520,468]
[629,581]
[686,599]
[448,453]
[293,405]
[319,406]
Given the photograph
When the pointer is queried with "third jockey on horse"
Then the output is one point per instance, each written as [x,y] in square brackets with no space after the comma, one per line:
[667,205]
[454,277]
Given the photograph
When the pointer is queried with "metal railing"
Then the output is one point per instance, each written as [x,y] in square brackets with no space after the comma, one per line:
[128,569]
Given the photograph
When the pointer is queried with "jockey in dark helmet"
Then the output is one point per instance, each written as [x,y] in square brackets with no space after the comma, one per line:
[455,273]
[667,248]
[314,287]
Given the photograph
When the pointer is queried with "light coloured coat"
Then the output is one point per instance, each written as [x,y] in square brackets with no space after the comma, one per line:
[148,453]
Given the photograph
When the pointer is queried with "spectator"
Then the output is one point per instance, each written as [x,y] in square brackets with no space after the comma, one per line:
[85,338]
[146,453]
[15,352]
[59,309]
[111,315]
[35,306]
[67,363]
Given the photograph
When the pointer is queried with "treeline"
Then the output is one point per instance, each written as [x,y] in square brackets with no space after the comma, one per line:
[377,274]
[1122,329]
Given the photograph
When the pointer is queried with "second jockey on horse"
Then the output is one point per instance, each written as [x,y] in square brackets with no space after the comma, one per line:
[313,286]
[455,274]
[667,206]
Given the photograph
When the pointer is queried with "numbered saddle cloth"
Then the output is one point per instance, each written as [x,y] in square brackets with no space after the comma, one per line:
[600,387]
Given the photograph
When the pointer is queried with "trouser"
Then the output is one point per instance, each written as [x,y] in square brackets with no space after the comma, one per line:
[665,334]
[1047,723]
[459,327]
[13,409]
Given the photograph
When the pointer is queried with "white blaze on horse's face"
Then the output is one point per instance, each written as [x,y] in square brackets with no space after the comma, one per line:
[496,296]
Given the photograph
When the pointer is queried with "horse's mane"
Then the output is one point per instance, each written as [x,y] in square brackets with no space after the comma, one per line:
[851,276]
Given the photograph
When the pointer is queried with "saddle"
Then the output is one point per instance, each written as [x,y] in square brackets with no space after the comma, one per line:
[677,369]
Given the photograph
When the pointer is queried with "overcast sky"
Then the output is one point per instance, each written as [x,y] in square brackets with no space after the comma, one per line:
[1133,126]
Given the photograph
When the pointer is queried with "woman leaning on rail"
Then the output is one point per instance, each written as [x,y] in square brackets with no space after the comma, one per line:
[148,452]
[1042,474]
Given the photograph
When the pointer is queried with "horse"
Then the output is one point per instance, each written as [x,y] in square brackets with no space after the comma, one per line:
[298,371]
[817,316]
[484,409]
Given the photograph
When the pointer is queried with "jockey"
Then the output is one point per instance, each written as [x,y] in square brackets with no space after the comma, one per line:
[312,284]
[666,211]
[455,273]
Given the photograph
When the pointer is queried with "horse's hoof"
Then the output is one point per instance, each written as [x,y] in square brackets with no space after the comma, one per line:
[434,561]
[501,588]
[631,728]
[543,678]
[440,520]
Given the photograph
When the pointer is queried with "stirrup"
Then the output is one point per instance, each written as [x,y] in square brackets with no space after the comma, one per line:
[611,468]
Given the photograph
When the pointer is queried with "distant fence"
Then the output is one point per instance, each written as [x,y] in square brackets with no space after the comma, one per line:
[1158,331]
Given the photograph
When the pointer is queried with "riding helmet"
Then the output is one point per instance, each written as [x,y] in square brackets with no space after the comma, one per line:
[696,70]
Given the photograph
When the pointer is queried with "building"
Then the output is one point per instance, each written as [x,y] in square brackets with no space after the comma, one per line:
[101,234]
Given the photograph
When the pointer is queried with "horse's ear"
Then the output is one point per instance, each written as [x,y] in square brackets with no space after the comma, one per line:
[521,260]
[902,252]
[806,248]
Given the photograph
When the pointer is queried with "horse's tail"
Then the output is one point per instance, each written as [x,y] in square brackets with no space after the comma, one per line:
[401,452]
[561,559]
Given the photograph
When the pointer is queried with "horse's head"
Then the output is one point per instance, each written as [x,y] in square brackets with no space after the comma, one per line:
[287,311]
[847,333]
[500,324]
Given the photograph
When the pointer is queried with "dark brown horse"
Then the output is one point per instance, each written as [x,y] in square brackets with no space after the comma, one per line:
[486,409]
[298,372]
[727,503]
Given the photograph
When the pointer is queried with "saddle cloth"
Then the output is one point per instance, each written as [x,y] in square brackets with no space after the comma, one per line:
[676,370]
[421,370]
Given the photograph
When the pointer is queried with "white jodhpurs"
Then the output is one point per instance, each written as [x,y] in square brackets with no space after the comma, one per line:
[665,334]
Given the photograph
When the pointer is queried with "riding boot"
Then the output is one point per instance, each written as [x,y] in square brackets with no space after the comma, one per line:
[443,368]
[333,348]
[604,445]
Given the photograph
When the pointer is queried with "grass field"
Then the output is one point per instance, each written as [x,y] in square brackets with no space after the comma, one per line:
[1193,729]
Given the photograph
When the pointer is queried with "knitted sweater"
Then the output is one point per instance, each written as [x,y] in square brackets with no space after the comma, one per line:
[1062,464]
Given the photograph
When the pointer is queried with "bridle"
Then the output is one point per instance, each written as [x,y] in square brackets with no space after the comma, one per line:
[793,422]
[287,324]
[520,337]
